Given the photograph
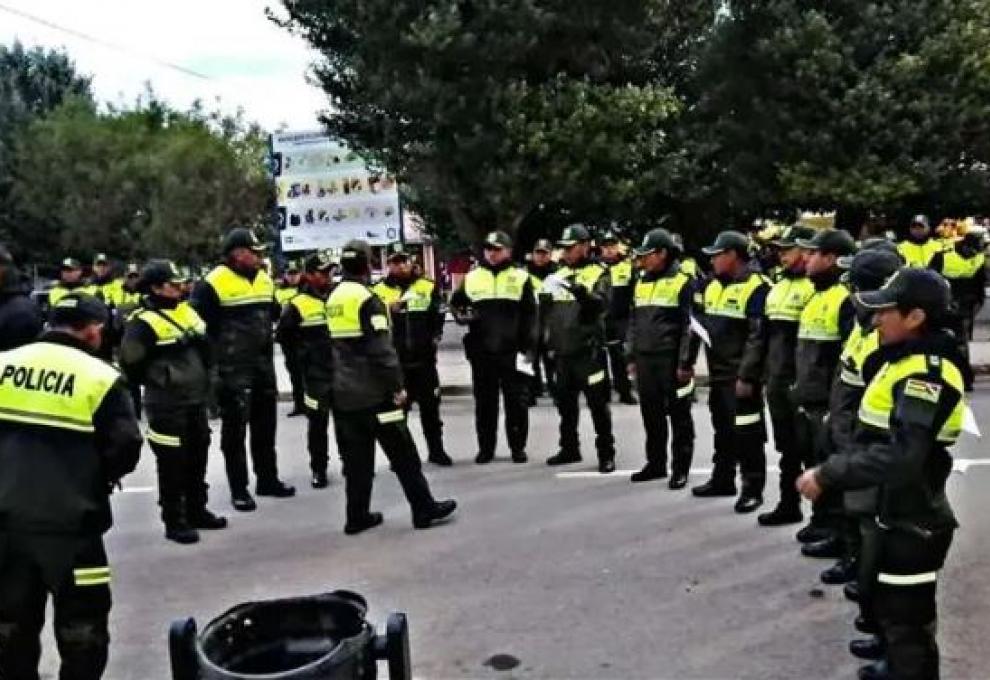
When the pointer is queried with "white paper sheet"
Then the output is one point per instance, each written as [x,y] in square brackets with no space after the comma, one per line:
[701,332]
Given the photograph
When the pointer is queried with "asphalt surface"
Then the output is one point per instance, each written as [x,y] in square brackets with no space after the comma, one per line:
[571,577]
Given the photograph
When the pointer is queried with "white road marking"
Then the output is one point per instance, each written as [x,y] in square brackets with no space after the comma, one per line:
[619,474]
[962,465]
[138,489]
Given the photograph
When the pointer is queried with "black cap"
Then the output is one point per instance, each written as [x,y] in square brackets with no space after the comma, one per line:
[79,309]
[496,240]
[873,243]
[922,220]
[656,239]
[133,269]
[834,241]
[397,252]
[576,233]
[241,237]
[159,272]
[911,288]
[71,263]
[543,246]
[292,267]
[356,249]
[870,269]
[728,240]
[318,262]
[101,258]
[791,235]
[609,237]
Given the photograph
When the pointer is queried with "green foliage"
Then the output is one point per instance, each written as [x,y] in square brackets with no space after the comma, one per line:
[138,183]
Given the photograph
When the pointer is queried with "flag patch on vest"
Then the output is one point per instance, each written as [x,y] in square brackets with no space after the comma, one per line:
[922,389]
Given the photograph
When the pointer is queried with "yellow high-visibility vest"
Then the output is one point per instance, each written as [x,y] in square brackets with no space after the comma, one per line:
[788,298]
[858,348]
[344,311]
[621,273]
[481,284]
[731,300]
[173,325]
[312,310]
[955,266]
[587,276]
[234,290]
[919,254]
[820,317]
[664,292]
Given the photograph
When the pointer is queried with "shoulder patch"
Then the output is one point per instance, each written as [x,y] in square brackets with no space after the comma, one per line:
[923,389]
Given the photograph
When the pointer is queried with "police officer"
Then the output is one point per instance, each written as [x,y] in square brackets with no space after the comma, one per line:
[620,271]
[370,400]
[166,350]
[659,324]
[541,265]
[288,288]
[911,414]
[688,264]
[826,321]
[70,280]
[237,302]
[964,267]
[867,271]
[106,284]
[67,436]
[304,324]
[577,302]
[20,319]
[785,302]
[919,247]
[731,306]
[127,300]
[417,325]
[497,303]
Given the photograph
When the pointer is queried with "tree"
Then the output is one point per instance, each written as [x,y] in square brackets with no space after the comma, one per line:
[490,110]
[137,183]
[32,84]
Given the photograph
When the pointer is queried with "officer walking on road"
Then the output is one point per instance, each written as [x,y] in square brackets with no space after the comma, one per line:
[70,280]
[911,414]
[67,436]
[732,306]
[577,302]
[166,350]
[370,400]
[919,247]
[417,325]
[237,302]
[303,324]
[660,324]
[622,280]
[497,303]
[785,302]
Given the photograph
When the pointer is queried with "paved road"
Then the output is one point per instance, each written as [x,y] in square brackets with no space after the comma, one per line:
[577,577]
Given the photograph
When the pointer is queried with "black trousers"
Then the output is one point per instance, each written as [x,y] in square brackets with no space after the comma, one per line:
[180,438]
[783,417]
[813,438]
[618,376]
[318,433]
[578,375]
[248,398]
[866,551]
[904,601]
[135,390]
[423,388]
[543,379]
[293,365]
[79,582]
[740,436]
[357,432]
[490,374]
[660,398]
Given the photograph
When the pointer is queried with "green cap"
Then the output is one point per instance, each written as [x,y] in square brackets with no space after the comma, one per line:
[101,258]
[835,241]
[78,308]
[356,249]
[71,263]
[543,246]
[911,288]
[158,272]
[241,237]
[497,240]
[657,239]
[728,240]
[791,235]
[318,262]
[576,233]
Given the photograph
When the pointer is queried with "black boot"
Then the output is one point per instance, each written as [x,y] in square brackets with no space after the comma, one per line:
[320,480]
[359,524]
[870,649]
[851,591]
[181,533]
[519,457]
[715,487]
[564,458]
[484,458]
[204,519]
[440,511]
[649,472]
[748,502]
[440,458]
[830,548]
[606,466]
[875,671]
[841,572]
[677,481]
[242,501]
[813,532]
[784,513]
[276,489]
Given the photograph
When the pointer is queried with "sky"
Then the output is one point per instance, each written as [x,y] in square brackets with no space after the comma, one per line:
[246,61]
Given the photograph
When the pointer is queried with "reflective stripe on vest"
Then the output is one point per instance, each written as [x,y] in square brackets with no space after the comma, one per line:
[233,290]
[878,401]
[919,254]
[60,291]
[664,292]
[621,273]
[820,317]
[481,284]
[587,276]
[788,297]
[859,346]
[955,266]
[419,296]
[730,301]
[185,322]
[312,310]
[283,295]
[53,386]
[344,310]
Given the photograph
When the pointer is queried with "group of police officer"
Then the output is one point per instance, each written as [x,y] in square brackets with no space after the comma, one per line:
[846,345]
